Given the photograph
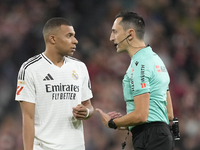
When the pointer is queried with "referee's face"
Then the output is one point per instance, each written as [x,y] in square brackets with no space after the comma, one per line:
[65,41]
[118,36]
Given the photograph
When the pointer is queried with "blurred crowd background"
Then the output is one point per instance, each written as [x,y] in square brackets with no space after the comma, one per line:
[172,30]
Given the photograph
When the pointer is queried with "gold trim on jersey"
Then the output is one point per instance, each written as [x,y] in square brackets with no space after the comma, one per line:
[21,82]
[75,75]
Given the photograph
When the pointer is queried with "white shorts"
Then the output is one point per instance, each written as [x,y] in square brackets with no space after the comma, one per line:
[38,146]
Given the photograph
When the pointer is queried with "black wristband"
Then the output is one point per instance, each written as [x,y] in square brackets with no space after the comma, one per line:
[111,124]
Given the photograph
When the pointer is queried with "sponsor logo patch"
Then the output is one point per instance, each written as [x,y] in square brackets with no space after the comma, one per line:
[48,77]
[21,82]
[158,68]
[62,91]
[161,68]
[19,89]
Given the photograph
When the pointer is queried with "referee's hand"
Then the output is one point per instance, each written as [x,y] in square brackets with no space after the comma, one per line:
[105,117]
[79,112]
[114,114]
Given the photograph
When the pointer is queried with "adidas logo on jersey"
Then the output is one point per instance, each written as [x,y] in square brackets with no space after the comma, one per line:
[48,77]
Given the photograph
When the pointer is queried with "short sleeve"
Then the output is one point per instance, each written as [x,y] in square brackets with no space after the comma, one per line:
[25,86]
[86,88]
[139,78]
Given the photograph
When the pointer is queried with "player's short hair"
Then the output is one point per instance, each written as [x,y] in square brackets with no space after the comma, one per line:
[54,23]
[132,20]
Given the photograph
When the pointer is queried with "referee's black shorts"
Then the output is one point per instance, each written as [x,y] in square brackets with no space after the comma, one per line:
[152,136]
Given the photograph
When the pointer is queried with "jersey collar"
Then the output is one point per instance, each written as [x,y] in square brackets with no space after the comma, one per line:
[141,51]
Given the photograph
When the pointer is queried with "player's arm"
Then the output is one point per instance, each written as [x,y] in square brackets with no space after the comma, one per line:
[84,110]
[28,112]
[138,116]
[170,113]
[88,105]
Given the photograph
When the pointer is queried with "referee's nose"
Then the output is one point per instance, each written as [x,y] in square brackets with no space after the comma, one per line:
[111,37]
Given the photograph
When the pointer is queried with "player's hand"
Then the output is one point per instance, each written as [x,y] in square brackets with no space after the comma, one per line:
[105,117]
[79,112]
[114,114]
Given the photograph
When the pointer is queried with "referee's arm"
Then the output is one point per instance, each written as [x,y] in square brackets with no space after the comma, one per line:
[28,112]
[170,113]
[138,116]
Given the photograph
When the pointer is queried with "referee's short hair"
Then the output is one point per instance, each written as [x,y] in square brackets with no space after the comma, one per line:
[133,20]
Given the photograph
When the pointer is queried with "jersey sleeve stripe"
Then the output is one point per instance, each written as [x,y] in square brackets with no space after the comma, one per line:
[30,60]
[26,65]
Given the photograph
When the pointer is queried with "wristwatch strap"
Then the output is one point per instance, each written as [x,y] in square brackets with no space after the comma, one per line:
[112,124]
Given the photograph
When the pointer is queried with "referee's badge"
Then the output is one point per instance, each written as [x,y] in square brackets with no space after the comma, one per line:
[74,75]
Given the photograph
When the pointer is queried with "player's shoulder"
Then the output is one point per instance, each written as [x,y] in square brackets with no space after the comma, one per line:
[31,62]
[28,66]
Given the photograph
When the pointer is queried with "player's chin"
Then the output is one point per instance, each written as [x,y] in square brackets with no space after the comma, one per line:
[70,54]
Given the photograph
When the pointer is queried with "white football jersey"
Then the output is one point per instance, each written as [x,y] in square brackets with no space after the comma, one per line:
[55,90]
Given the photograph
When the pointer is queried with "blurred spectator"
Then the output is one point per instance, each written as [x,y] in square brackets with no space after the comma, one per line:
[173,31]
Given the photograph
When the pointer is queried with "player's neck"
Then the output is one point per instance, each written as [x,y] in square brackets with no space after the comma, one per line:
[55,58]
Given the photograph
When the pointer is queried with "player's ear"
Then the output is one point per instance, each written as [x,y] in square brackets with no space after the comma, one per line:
[52,39]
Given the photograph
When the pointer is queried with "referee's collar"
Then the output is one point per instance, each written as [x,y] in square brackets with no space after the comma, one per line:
[141,51]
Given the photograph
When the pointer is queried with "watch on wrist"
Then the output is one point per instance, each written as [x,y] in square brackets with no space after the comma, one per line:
[111,124]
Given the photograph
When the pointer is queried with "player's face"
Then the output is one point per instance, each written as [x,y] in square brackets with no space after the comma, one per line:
[117,35]
[66,41]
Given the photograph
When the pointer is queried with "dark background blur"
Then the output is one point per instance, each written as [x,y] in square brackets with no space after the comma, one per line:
[172,30]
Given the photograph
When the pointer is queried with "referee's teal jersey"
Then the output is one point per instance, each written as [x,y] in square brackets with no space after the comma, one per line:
[147,73]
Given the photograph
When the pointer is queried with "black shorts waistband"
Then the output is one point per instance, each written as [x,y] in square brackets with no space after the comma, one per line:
[139,128]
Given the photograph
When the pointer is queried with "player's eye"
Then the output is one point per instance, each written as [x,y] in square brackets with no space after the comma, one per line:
[69,35]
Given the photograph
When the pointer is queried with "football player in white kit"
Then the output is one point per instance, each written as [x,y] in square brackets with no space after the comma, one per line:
[54,92]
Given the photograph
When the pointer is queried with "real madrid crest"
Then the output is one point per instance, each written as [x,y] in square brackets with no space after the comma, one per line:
[74,75]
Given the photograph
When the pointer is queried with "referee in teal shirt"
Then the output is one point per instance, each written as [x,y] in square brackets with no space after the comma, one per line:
[145,88]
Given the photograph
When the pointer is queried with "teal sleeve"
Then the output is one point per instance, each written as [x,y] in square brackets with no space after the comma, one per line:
[140,79]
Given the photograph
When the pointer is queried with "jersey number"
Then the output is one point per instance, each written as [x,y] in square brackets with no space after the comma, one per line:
[143,85]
